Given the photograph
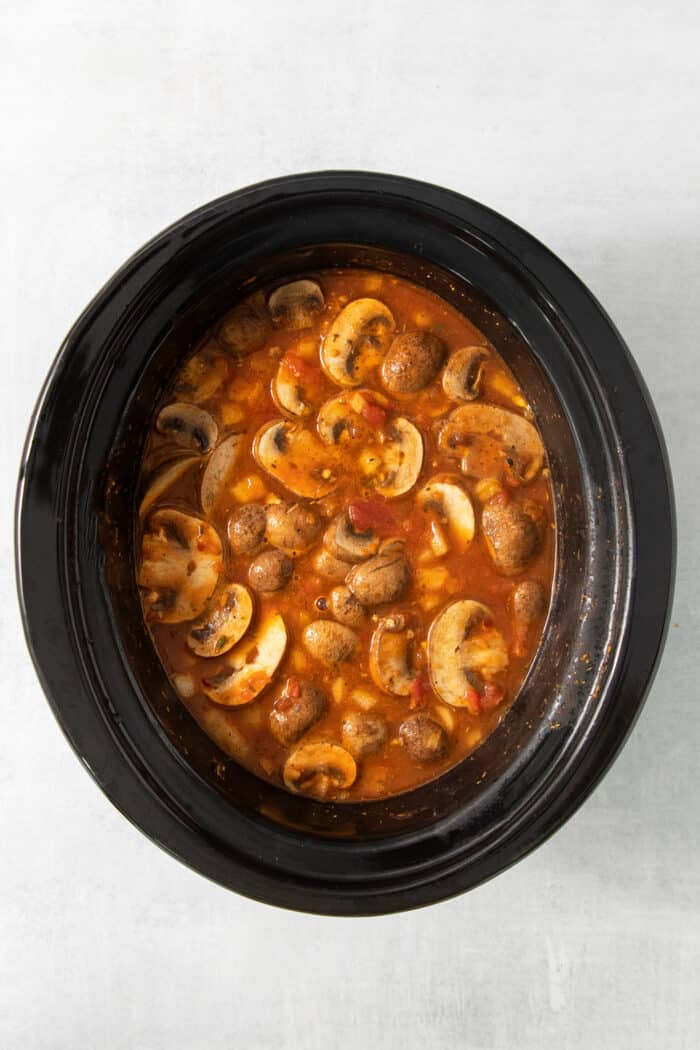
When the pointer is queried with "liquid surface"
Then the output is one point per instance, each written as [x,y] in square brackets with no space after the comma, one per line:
[345,535]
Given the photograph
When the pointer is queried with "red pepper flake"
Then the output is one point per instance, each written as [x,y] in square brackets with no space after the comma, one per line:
[492,696]
[368,514]
[472,701]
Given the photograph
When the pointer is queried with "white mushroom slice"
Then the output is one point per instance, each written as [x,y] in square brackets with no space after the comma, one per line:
[346,543]
[219,470]
[332,568]
[340,419]
[224,622]
[180,565]
[390,663]
[164,479]
[201,376]
[463,644]
[296,305]
[250,666]
[402,459]
[319,770]
[454,507]
[188,425]
[357,341]
[288,393]
[294,457]
[461,379]
[509,436]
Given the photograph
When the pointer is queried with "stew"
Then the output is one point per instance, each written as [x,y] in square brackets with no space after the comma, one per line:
[345,535]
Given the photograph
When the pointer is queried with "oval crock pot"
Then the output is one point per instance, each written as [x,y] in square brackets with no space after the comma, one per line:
[615,548]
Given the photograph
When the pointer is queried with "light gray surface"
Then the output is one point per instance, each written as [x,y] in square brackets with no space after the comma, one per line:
[580,122]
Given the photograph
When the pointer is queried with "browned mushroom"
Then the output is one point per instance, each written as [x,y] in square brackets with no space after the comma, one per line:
[423,737]
[513,533]
[180,565]
[412,361]
[486,438]
[383,578]
[299,706]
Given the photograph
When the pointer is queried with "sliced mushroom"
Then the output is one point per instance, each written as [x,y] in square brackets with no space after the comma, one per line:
[330,642]
[461,379]
[294,457]
[250,666]
[384,578]
[412,361]
[423,737]
[332,568]
[344,542]
[529,604]
[464,649]
[402,459]
[296,305]
[219,470]
[188,425]
[288,393]
[479,434]
[291,527]
[453,506]
[346,608]
[224,622]
[319,770]
[356,341]
[180,565]
[246,528]
[390,656]
[164,479]
[300,706]
[201,376]
[270,571]
[512,532]
[341,419]
[363,733]
[244,328]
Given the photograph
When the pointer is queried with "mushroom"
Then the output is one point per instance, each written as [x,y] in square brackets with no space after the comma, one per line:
[423,737]
[319,770]
[250,666]
[294,457]
[288,393]
[180,565]
[390,656]
[163,480]
[291,527]
[330,642]
[344,542]
[452,504]
[363,733]
[356,341]
[529,604]
[346,608]
[201,376]
[244,328]
[332,568]
[464,648]
[512,532]
[270,571]
[296,305]
[341,419]
[224,622]
[219,470]
[484,436]
[246,528]
[188,425]
[383,578]
[402,459]
[412,361]
[300,705]
[461,379]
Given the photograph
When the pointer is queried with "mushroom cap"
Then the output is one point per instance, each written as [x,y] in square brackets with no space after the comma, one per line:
[163,480]
[460,645]
[345,607]
[319,769]
[390,663]
[381,579]
[250,666]
[291,527]
[329,642]
[180,565]
[270,571]
[218,471]
[461,379]
[296,304]
[246,528]
[412,361]
[513,534]
[329,566]
[245,327]
[423,737]
[356,341]
[402,459]
[188,425]
[344,542]
[223,623]
[363,733]
[514,437]
[201,376]
[295,711]
[453,504]
[295,458]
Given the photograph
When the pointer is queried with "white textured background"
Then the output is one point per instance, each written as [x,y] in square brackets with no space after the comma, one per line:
[580,121]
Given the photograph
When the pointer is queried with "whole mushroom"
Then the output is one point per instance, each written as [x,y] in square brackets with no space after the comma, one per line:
[412,361]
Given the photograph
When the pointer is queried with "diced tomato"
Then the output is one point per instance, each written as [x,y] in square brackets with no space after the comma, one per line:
[492,696]
[300,368]
[367,514]
[374,414]
[293,688]
[472,701]
[419,692]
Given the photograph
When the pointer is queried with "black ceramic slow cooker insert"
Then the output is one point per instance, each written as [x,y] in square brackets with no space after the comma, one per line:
[614,563]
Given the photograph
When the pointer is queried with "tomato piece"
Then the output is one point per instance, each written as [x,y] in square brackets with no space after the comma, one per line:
[367,514]
[374,414]
[293,689]
[300,368]
[472,701]
[492,696]
[419,692]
